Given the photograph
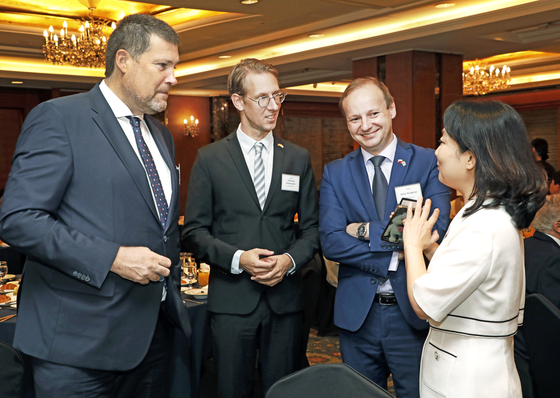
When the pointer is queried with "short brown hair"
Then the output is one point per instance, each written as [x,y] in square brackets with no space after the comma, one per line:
[362,81]
[236,78]
[134,34]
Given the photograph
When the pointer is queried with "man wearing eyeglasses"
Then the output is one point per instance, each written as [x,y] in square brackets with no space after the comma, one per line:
[244,192]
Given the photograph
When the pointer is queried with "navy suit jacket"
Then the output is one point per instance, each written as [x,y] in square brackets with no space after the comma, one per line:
[542,267]
[346,198]
[223,215]
[76,193]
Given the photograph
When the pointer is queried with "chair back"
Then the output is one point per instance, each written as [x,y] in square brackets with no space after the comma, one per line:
[541,331]
[326,381]
[11,374]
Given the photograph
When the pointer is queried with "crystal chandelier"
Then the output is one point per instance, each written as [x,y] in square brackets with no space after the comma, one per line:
[86,50]
[478,81]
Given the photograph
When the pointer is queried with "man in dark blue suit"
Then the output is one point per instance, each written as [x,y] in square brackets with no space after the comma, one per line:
[379,332]
[93,200]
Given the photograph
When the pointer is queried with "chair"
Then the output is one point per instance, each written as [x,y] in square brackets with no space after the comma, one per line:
[11,374]
[325,381]
[541,329]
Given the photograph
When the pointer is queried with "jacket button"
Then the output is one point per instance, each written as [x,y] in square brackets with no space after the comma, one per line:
[75,273]
[165,239]
[373,281]
[87,279]
[436,355]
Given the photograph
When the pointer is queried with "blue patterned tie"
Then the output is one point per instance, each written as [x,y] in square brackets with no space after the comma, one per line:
[150,169]
[259,174]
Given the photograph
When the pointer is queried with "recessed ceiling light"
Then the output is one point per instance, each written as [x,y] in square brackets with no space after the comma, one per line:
[224,56]
[315,35]
[16,82]
[444,5]
[249,1]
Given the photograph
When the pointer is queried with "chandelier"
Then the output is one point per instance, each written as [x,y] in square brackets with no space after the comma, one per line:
[479,81]
[84,50]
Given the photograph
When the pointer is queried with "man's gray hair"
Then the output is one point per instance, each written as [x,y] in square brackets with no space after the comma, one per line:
[547,215]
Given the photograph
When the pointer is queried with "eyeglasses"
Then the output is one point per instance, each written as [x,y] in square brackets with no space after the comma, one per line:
[265,99]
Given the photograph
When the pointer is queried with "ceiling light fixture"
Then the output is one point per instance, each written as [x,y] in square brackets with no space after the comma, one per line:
[87,50]
[444,5]
[16,82]
[478,81]
[315,35]
[249,1]
[224,56]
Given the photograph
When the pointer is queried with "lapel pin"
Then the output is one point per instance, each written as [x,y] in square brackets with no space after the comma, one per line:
[281,146]
[401,162]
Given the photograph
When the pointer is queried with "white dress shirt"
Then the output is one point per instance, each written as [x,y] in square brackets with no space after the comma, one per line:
[386,167]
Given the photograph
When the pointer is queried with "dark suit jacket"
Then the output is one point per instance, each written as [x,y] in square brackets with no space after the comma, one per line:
[75,194]
[223,215]
[346,198]
[542,267]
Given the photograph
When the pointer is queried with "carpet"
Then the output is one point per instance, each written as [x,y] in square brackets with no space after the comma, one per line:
[326,349]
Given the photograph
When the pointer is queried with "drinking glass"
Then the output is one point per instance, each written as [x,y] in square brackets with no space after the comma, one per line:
[3,269]
[190,273]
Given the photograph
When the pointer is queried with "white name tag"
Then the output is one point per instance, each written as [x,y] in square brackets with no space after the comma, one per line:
[412,191]
[290,182]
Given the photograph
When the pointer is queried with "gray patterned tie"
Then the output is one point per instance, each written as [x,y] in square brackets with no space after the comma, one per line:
[259,174]
[379,186]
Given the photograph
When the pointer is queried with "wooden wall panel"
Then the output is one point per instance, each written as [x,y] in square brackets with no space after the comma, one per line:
[306,132]
[10,120]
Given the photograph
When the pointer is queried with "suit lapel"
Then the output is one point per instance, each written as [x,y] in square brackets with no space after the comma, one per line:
[238,159]
[109,125]
[362,183]
[401,163]
[277,167]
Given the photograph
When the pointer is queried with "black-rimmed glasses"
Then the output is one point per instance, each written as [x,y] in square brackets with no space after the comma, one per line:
[265,99]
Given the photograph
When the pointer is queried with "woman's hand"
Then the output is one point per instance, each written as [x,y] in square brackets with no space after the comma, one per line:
[417,232]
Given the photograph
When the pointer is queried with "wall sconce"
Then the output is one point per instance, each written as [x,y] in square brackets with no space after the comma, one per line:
[191,127]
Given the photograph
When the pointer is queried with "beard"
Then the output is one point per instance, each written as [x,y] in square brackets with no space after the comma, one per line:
[148,104]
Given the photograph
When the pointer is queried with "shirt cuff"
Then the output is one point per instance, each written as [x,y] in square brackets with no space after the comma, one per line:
[293,269]
[235,262]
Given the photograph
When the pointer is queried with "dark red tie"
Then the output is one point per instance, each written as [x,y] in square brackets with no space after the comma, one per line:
[150,169]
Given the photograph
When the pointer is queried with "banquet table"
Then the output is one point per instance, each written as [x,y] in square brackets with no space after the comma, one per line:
[186,364]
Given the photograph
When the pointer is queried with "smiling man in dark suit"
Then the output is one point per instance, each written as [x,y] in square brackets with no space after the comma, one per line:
[92,199]
[379,332]
[244,192]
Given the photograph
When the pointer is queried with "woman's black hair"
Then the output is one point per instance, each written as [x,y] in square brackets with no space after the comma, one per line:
[506,172]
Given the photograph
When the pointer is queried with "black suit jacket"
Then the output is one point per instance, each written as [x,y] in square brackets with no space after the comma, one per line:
[542,267]
[223,215]
[76,193]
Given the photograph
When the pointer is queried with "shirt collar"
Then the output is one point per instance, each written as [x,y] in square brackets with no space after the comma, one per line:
[247,142]
[388,152]
[555,239]
[118,107]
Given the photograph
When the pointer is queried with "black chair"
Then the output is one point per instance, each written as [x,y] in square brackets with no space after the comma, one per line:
[541,331]
[325,381]
[11,373]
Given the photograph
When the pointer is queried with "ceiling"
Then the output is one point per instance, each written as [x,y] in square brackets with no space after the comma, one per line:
[278,30]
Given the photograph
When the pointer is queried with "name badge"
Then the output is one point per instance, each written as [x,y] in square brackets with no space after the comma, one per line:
[290,182]
[412,191]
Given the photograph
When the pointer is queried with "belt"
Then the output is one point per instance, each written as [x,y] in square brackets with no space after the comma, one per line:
[386,298]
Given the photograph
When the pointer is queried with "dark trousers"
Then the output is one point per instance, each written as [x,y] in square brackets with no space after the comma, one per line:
[385,344]
[236,339]
[144,381]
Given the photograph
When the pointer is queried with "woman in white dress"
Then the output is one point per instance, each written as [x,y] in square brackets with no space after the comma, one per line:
[472,293]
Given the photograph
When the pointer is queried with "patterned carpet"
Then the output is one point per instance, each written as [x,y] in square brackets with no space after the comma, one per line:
[325,349]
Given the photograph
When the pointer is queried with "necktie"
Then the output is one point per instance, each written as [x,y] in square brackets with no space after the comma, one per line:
[259,174]
[150,169]
[379,186]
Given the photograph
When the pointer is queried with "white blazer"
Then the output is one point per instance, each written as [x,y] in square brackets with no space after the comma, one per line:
[474,294]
